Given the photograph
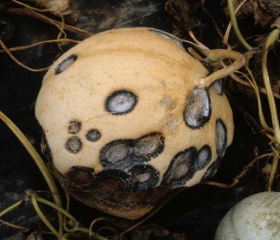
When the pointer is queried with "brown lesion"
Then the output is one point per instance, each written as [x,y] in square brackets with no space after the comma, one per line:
[107,193]
[74,127]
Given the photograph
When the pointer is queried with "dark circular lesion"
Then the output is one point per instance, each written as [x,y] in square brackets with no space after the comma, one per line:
[149,146]
[125,153]
[115,152]
[142,177]
[204,157]
[181,169]
[121,102]
[74,127]
[74,145]
[212,170]
[45,148]
[221,138]
[66,63]
[198,108]
[93,135]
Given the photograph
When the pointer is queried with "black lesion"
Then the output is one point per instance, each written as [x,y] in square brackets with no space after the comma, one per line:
[93,135]
[142,177]
[74,127]
[121,102]
[204,157]
[115,152]
[149,146]
[66,63]
[45,148]
[221,138]
[198,108]
[181,169]
[74,145]
[212,170]
[125,153]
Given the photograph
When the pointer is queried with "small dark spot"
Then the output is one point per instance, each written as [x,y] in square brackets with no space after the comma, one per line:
[150,145]
[168,36]
[212,170]
[180,169]
[218,86]
[142,177]
[203,158]
[66,63]
[115,151]
[74,127]
[221,138]
[198,108]
[81,177]
[93,135]
[121,102]
[45,148]
[74,145]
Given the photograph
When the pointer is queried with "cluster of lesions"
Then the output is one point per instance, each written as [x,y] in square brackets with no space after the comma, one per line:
[129,159]
[187,163]
[74,143]
[125,161]
[197,113]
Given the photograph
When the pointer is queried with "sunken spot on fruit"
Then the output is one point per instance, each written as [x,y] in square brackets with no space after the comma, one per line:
[143,177]
[180,169]
[212,170]
[221,138]
[121,102]
[74,145]
[198,109]
[93,135]
[150,145]
[115,151]
[74,127]
[203,158]
[66,63]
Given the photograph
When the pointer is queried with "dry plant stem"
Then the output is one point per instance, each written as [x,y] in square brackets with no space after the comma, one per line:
[38,16]
[271,39]
[91,234]
[64,40]
[42,216]
[243,173]
[256,89]
[13,226]
[47,10]
[10,208]
[218,55]
[235,26]
[18,62]
[39,162]
[76,227]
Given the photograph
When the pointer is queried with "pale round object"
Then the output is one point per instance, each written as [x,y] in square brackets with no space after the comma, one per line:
[254,218]
[124,122]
